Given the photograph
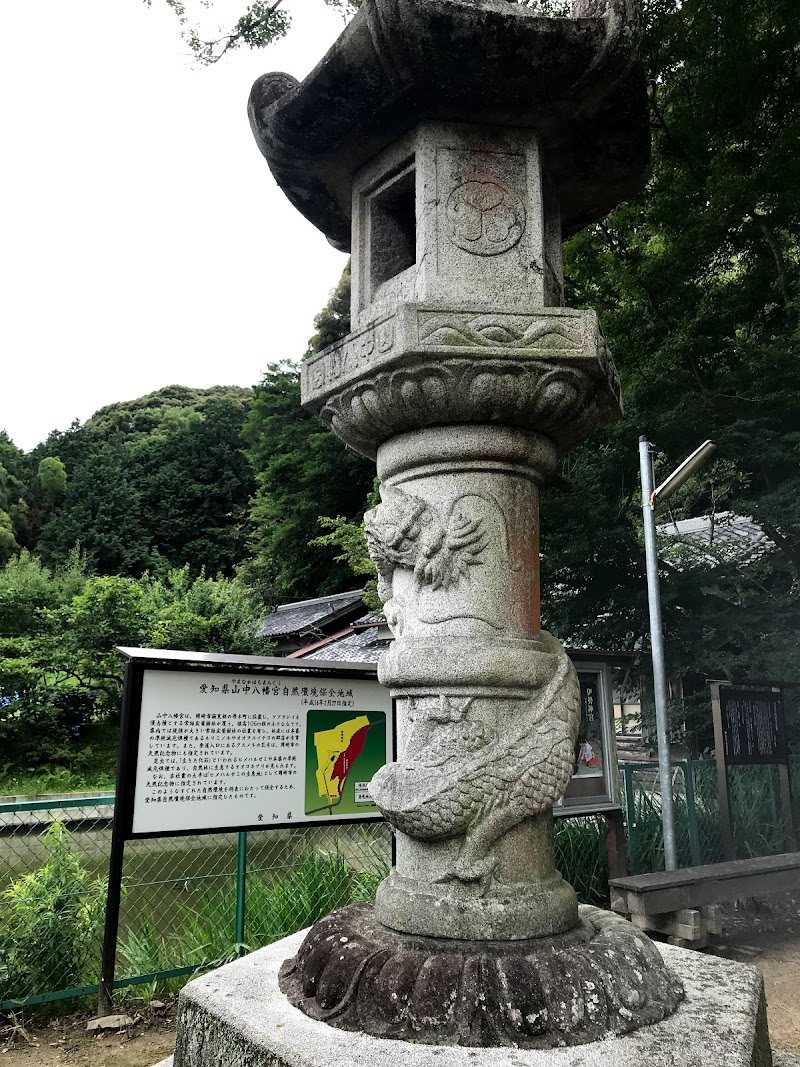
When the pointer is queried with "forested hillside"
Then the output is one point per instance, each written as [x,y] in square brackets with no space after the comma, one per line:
[154,482]
[177,518]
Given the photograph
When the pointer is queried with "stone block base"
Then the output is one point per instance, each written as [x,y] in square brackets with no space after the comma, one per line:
[237,1017]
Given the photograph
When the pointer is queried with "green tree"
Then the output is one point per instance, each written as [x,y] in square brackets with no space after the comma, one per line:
[151,483]
[59,630]
[101,513]
[52,476]
[12,507]
[333,322]
[696,285]
[195,485]
[303,471]
[51,919]
[261,23]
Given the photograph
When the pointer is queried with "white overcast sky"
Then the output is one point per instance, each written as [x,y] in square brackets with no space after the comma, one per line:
[143,240]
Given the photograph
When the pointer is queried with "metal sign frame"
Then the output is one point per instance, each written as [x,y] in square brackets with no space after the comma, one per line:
[577,797]
[131,724]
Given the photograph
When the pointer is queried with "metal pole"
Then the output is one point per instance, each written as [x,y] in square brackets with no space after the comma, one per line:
[657,650]
[122,797]
[108,955]
[241,883]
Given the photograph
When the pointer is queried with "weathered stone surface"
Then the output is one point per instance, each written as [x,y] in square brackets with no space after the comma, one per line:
[574,81]
[601,978]
[547,371]
[237,1017]
[486,731]
[474,764]
[463,138]
[455,210]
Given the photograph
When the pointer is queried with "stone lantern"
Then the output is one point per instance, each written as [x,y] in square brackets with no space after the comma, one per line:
[451,145]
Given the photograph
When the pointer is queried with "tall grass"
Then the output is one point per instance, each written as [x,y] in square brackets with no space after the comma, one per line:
[582,857]
[276,904]
[755,808]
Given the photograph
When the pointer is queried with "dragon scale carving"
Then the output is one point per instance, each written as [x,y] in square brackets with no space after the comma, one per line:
[486,793]
[457,775]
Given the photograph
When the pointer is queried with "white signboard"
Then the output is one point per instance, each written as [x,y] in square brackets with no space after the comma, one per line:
[242,749]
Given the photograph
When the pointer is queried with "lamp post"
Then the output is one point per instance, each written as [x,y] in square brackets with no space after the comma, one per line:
[651,498]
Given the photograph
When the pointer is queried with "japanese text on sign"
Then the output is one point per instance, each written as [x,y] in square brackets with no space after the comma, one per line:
[242,750]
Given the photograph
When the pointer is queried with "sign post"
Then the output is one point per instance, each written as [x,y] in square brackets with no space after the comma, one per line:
[723,785]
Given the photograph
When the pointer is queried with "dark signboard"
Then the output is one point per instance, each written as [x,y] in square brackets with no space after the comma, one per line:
[753,729]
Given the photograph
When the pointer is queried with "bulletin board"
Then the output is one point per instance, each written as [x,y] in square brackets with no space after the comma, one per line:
[234,745]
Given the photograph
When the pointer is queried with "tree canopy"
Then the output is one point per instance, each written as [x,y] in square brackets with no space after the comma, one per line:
[304,472]
[177,518]
[259,24]
[152,483]
[696,282]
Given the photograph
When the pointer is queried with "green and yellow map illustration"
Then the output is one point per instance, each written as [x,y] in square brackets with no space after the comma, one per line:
[343,751]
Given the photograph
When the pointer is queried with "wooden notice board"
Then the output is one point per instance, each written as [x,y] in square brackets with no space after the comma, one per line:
[749,729]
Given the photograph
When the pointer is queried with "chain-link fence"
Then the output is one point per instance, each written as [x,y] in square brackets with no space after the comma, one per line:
[758,828]
[188,902]
[193,902]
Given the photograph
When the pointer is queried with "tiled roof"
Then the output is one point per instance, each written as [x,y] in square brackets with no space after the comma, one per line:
[729,537]
[360,646]
[304,615]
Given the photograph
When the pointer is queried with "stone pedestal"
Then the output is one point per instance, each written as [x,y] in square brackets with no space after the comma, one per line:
[237,1017]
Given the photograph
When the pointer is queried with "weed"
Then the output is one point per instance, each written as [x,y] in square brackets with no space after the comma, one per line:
[51,919]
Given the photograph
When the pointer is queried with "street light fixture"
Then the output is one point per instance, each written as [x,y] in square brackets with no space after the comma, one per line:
[651,498]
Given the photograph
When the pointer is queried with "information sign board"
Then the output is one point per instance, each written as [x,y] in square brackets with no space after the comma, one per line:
[594,782]
[213,743]
[590,748]
[753,729]
[242,749]
[749,728]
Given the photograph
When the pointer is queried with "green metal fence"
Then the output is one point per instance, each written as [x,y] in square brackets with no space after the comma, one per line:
[755,803]
[193,902]
[189,903]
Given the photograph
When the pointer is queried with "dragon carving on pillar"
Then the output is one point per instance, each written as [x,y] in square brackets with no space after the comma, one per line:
[459,775]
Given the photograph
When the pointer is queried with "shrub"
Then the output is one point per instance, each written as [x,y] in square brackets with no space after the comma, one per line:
[49,923]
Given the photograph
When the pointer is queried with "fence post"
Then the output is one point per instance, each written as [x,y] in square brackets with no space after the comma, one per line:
[120,830]
[691,813]
[241,885]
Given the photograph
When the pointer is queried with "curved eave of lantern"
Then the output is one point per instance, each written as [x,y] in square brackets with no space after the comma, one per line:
[398,62]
